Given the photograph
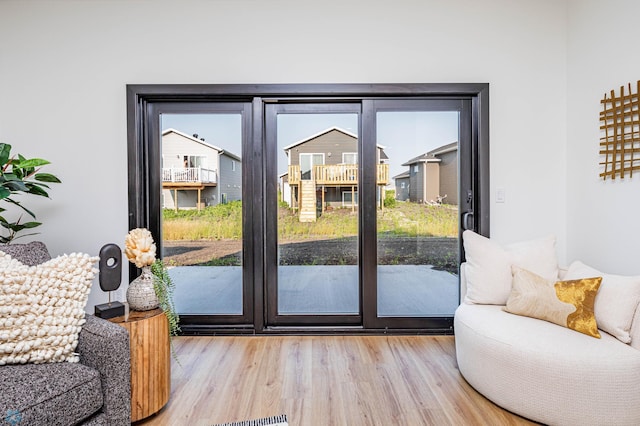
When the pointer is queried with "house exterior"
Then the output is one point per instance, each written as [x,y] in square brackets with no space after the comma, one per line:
[431,177]
[196,174]
[322,172]
[402,183]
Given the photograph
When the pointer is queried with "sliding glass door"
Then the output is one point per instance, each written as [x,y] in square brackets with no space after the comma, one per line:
[202,210]
[409,180]
[427,145]
[312,214]
[320,208]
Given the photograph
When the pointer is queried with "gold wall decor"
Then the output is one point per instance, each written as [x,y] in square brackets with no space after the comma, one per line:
[620,145]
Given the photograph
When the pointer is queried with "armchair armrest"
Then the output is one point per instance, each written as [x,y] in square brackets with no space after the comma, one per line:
[105,346]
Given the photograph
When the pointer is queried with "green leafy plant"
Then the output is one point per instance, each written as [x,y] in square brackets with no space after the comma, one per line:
[20,175]
[164,287]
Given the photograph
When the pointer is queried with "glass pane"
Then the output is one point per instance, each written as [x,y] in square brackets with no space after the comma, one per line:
[418,214]
[202,211]
[317,228]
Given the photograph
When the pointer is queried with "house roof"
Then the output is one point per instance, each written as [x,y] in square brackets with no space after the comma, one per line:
[432,156]
[453,146]
[201,142]
[403,175]
[424,158]
[230,154]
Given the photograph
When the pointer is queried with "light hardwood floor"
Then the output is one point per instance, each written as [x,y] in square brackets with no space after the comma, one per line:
[324,380]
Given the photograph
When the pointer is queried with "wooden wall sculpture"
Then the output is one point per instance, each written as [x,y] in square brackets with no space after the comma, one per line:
[620,145]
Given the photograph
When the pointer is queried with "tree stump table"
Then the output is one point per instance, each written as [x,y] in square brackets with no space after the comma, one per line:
[150,361]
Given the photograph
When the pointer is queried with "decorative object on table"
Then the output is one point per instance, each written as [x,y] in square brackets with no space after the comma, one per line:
[140,249]
[267,421]
[621,141]
[109,277]
[20,176]
[141,294]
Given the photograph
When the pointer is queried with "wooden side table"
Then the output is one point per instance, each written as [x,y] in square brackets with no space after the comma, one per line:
[150,361]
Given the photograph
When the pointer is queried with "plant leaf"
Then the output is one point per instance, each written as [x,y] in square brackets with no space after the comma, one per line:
[31,163]
[4,192]
[17,203]
[15,185]
[36,190]
[5,152]
[29,225]
[47,177]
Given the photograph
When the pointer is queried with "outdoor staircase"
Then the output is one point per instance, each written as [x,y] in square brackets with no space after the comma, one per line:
[307,201]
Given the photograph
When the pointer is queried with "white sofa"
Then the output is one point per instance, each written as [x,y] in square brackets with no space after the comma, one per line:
[545,372]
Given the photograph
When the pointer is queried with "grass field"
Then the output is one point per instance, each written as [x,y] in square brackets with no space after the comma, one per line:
[224,221]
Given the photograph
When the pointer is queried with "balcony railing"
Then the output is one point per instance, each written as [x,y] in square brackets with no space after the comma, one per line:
[189,174]
[337,174]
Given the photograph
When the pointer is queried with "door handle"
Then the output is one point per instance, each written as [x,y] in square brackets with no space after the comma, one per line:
[466,217]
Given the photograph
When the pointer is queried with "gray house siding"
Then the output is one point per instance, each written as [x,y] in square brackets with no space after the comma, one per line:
[402,188]
[230,178]
[332,144]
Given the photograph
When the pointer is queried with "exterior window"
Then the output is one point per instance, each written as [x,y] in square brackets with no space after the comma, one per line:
[346,199]
[402,185]
[415,168]
[193,161]
[233,165]
[350,157]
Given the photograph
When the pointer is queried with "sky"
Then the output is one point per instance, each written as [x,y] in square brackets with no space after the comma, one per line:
[403,134]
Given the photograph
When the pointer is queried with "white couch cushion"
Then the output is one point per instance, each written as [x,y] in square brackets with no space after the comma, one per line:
[488,265]
[616,302]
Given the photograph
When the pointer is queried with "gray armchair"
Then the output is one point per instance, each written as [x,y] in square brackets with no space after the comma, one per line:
[94,391]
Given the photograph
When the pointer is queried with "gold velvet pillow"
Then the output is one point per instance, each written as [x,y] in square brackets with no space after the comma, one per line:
[566,303]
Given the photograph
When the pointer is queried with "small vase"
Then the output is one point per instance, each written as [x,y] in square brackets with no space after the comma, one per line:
[140,294]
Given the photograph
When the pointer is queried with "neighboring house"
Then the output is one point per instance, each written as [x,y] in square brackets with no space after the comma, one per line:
[402,182]
[431,176]
[196,174]
[323,172]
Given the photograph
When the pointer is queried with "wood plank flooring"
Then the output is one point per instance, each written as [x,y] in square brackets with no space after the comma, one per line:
[324,380]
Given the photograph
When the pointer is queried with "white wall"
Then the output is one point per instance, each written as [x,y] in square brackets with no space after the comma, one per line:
[602,216]
[64,66]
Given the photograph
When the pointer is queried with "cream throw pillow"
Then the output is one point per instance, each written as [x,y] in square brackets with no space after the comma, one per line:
[42,308]
[617,299]
[568,303]
[488,265]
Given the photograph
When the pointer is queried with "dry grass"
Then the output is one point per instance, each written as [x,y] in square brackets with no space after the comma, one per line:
[225,222]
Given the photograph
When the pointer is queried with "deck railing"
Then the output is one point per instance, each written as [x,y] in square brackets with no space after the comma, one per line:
[337,174]
[189,174]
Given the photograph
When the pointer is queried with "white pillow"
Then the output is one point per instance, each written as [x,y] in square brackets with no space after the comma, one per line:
[42,308]
[616,302]
[488,268]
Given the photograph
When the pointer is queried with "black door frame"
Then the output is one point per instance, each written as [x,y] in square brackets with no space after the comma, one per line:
[142,105]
